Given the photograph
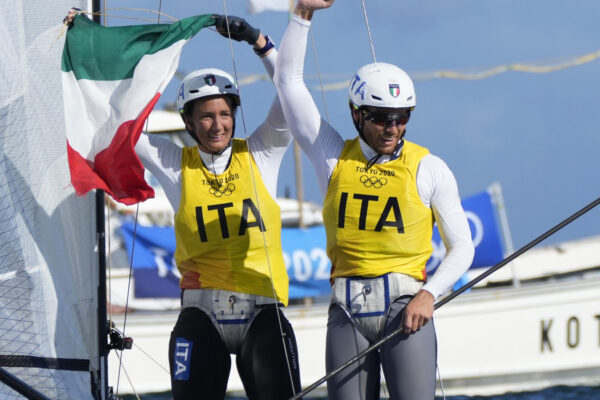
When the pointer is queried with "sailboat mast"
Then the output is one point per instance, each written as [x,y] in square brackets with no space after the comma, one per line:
[102,382]
[102,322]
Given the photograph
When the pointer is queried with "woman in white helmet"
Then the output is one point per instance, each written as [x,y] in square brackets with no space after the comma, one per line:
[231,288]
[382,197]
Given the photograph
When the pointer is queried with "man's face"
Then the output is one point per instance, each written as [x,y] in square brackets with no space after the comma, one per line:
[383,128]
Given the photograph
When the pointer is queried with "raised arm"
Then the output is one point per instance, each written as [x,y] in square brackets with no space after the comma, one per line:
[270,140]
[239,29]
[316,137]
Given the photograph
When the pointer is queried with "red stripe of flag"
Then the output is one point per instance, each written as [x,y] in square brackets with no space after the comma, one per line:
[116,169]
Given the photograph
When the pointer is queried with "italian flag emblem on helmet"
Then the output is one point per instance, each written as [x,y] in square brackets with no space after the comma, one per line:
[394,89]
[210,79]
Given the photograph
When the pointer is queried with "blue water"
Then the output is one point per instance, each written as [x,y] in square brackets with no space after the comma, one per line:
[554,393]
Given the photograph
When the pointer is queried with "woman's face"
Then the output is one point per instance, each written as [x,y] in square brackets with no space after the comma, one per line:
[211,121]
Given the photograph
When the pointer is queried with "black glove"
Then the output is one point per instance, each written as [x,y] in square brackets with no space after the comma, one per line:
[239,29]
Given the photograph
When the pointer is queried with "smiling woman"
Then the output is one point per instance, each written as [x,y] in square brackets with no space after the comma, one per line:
[228,237]
[210,121]
[208,100]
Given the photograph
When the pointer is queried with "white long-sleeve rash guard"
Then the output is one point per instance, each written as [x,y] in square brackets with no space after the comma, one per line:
[323,144]
[267,144]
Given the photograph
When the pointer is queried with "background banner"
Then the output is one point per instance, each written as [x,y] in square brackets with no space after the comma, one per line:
[304,252]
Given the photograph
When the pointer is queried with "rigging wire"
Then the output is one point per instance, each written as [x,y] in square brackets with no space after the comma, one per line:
[439,376]
[438,372]
[316,58]
[368,30]
[105,14]
[258,204]
[137,208]
[159,8]
[129,278]
[130,383]
[158,12]
[155,361]
[382,383]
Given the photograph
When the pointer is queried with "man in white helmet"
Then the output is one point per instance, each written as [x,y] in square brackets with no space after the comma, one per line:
[231,287]
[382,197]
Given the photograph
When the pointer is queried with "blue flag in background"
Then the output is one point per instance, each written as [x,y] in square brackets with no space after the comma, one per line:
[484,233]
[154,271]
[305,255]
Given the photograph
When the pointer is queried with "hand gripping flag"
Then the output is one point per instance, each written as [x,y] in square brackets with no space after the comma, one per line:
[112,77]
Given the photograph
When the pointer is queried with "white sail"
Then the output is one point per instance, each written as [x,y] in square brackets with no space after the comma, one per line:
[48,261]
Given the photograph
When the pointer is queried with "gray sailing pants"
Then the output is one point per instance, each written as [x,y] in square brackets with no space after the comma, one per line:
[408,361]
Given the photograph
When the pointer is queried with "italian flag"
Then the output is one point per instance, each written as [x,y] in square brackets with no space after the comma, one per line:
[112,77]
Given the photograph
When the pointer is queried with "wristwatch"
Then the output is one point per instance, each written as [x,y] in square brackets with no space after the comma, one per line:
[267,47]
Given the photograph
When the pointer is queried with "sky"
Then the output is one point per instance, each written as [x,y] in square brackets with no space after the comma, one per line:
[537,134]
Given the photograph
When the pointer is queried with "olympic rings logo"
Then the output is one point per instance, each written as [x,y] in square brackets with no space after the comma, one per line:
[220,191]
[372,181]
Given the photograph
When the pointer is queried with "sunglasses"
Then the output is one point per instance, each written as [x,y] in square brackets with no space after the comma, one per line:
[385,118]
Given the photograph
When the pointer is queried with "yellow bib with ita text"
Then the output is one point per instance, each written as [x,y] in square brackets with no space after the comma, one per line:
[375,220]
[223,232]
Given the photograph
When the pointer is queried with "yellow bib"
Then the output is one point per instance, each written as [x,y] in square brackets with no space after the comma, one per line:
[375,221]
[221,228]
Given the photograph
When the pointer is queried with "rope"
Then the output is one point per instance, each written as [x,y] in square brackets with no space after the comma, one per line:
[127,295]
[120,353]
[155,361]
[105,14]
[321,87]
[536,69]
[533,68]
[258,205]
[128,379]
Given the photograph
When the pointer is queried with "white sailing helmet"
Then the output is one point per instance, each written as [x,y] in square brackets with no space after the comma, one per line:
[206,82]
[382,85]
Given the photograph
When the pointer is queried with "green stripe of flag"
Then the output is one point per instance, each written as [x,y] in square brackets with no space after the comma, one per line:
[96,52]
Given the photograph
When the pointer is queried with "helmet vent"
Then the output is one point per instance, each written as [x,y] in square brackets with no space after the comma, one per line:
[376,97]
[228,86]
[192,91]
